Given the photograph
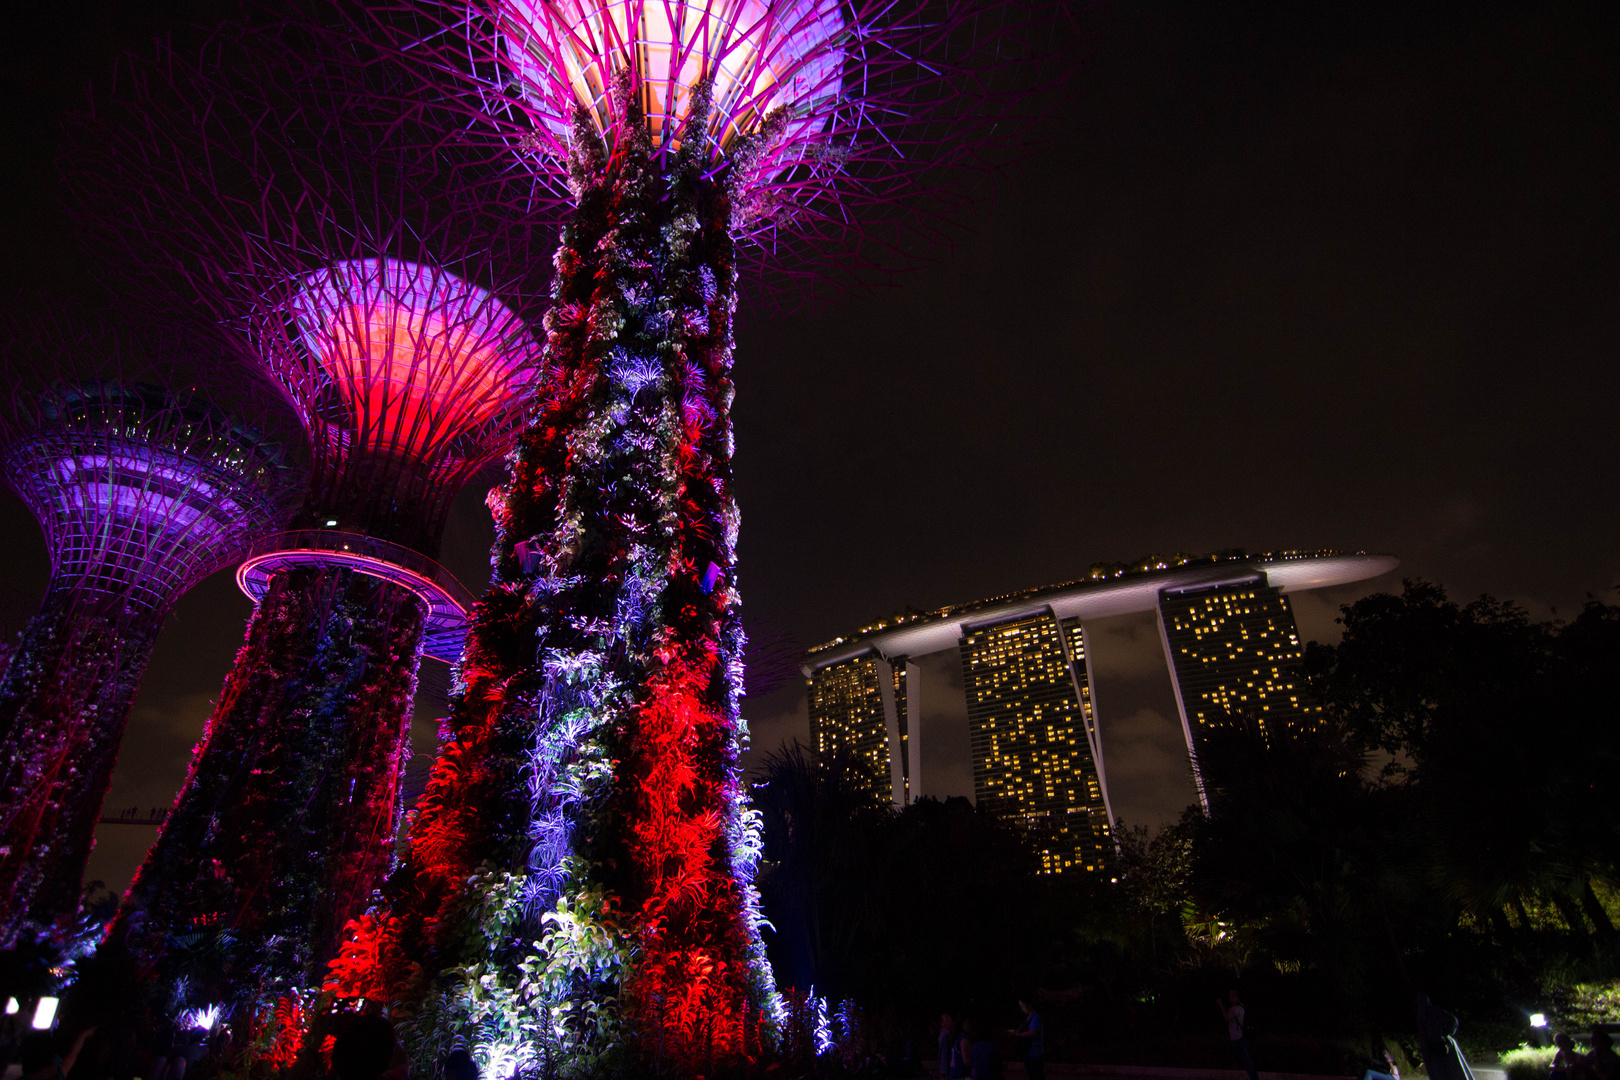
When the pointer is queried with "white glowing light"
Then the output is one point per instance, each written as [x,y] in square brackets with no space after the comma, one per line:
[12,1007]
[201,1018]
[824,1039]
[1538,1020]
[45,1013]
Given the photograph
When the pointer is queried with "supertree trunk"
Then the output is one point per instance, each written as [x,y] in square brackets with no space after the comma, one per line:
[288,815]
[589,793]
[65,699]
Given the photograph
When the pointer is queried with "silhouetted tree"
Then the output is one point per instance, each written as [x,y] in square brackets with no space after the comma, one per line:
[825,876]
[1155,874]
[938,906]
[1506,731]
[1297,847]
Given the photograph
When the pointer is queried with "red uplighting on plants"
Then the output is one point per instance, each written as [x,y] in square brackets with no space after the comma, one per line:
[692,983]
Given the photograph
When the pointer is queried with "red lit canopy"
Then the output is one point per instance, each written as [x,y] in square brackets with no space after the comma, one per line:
[424,364]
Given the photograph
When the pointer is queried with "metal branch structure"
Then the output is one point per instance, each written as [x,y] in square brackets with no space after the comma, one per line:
[373,263]
[844,129]
[142,489]
[577,896]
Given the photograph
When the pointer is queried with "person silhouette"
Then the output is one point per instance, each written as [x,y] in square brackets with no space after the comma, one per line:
[1236,1031]
[1442,1057]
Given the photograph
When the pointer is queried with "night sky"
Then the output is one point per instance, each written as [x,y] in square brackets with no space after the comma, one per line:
[1271,276]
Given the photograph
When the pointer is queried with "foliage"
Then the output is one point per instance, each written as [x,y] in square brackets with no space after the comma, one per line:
[1529,1062]
[1156,878]
[907,913]
[1294,848]
[583,850]
[1580,1006]
[1505,730]
[242,897]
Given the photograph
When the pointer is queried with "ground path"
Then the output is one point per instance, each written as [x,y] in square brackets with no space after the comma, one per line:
[1056,1071]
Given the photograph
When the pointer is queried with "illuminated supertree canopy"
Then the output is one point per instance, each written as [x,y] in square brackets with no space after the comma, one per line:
[841,130]
[579,872]
[759,57]
[142,489]
[382,274]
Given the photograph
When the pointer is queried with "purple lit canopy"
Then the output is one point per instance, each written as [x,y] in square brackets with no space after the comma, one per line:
[843,126]
[765,58]
[141,494]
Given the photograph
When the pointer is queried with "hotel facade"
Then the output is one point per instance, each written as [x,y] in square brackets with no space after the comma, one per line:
[1230,642]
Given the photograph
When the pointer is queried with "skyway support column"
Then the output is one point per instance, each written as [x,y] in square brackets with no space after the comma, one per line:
[891,722]
[914,730]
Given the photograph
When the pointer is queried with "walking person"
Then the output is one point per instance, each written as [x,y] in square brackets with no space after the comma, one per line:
[983,1057]
[1232,1008]
[947,1044]
[962,1052]
[1033,1032]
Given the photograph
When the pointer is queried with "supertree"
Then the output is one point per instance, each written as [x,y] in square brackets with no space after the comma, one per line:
[142,487]
[577,893]
[373,266]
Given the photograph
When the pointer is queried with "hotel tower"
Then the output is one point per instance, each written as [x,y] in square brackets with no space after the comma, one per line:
[1230,642]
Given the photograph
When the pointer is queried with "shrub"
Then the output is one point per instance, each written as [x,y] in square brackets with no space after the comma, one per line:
[1529,1062]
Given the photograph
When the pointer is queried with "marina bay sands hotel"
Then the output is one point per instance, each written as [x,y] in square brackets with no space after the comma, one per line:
[1229,639]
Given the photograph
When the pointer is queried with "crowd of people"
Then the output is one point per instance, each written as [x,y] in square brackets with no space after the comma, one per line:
[1598,1063]
[968,1049]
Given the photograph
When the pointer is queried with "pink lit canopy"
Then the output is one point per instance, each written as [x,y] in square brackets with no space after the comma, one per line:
[424,365]
[764,55]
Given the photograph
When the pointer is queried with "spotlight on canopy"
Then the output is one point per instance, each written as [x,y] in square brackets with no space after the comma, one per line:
[763,55]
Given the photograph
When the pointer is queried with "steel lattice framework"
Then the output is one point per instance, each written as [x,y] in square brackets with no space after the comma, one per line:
[141,494]
[322,204]
[142,490]
[872,112]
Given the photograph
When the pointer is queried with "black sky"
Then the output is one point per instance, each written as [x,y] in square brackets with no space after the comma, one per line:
[1275,276]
